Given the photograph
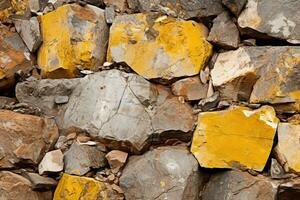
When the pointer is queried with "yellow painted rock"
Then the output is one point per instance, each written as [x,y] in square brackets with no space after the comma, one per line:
[159,47]
[73,37]
[10,8]
[235,138]
[80,188]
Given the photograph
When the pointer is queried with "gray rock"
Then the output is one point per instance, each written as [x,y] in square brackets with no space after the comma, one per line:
[109,14]
[52,162]
[210,102]
[122,110]
[61,99]
[224,32]
[278,19]
[80,159]
[163,173]
[40,183]
[235,6]
[34,5]
[276,171]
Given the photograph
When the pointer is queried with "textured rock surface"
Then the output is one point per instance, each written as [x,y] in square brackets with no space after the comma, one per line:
[289,190]
[235,6]
[52,162]
[116,159]
[163,173]
[24,138]
[79,43]
[40,182]
[235,138]
[13,8]
[159,47]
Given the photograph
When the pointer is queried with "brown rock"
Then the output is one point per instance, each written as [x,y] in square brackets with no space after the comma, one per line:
[290,190]
[119,5]
[235,6]
[116,159]
[40,182]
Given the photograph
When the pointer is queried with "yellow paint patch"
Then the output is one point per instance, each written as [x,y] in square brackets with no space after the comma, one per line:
[235,138]
[159,47]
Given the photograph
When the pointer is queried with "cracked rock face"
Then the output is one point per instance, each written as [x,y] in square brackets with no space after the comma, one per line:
[163,173]
[278,20]
[235,138]
[123,110]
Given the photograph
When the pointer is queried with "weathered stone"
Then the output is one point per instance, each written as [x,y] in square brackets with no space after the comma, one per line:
[119,5]
[13,187]
[52,162]
[290,190]
[210,102]
[277,20]
[111,104]
[35,5]
[14,56]
[235,138]
[76,188]
[182,9]
[29,31]
[190,88]
[260,74]
[237,185]
[24,138]
[12,9]
[163,173]
[109,15]
[224,32]
[61,99]
[80,159]
[276,170]
[116,159]
[40,182]
[156,46]
[79,43]
[235,6]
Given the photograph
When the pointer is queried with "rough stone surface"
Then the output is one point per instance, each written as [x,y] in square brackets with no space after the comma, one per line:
[80,159]
[156,46]
[24,138]
[224,32]
[235,6]
[80,42]
[119,5]
[52,162]
[276,171]
[235,138]
[260,75]
[237,185]
[278,20]
[289,190]
[40,182]
[163,173]
[110,105]
[13,186]
[190,88]
[116,159]
[13,8]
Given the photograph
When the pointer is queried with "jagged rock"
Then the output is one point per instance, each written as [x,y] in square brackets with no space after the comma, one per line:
[29,31]
[40,182]
[74,187]
[190,88]
[277,20]
[156,46]
[237,185]
[235,138]
[80,159]
[224,32]
[182,9]
[13,8]
[52,162]
[13,187]
[235,6]
[79,43]
[111,104]
[163,173]
[258,74]
[119,5]
[109,15]
[24,138]
[210,102]
[276,170]
[290,190]
[116,159]
[14,57]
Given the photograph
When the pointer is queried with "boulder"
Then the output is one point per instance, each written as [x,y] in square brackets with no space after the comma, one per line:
[24,139]
[163,173]
[80,42]
[157,46]
[52,162]
[235,138]
[109,105]
[235,6]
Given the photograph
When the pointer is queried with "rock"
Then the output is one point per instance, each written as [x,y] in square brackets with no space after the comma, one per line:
[24,139]
[52,162]
[109,105]
[289,190]
[258,75]
[278,20]
[182,9]
[235,138]
[116,159]
[61,99]
[40,183]
[210,102]
[29,31]
[34,5]
[109,15]
[80,159]
[6,101]
[224,32]
[158,46]
[74,188]
[13,186]
[80,43]
[235,6]
[12,9]
[14,57]
[190,88]
[276,170]
[287,149]
[237,185]
[163,173]
[119,5]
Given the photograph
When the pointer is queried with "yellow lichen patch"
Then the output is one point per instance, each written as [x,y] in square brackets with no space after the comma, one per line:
[13,7]
[235,138]
[159,47]
[76,188]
